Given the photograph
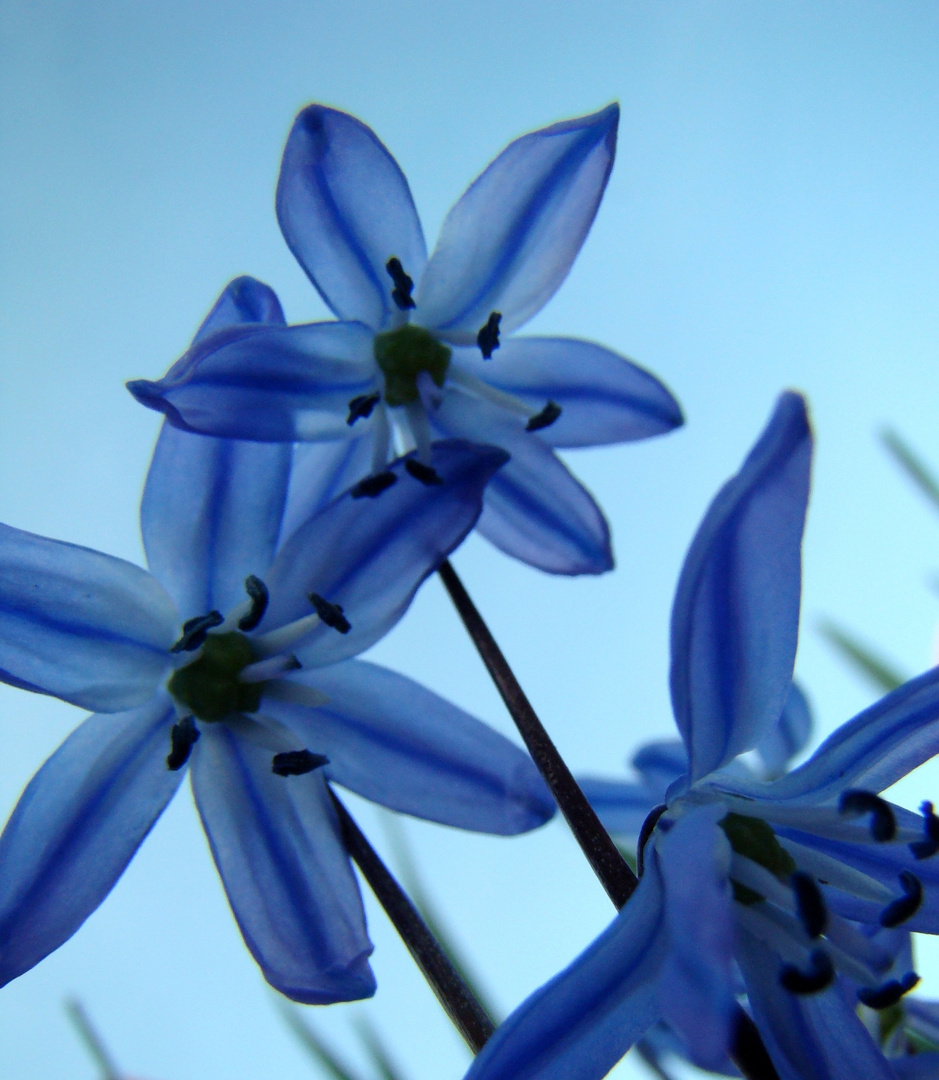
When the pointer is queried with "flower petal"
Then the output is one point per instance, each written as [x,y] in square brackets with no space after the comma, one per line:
[86,627]
[268,383]
[77,825]
[243,300]
[319,473]
[510,240]
[580,1024]
[696,987]
[872,751]
[394,742]
[660,763]
[808,1036]
[345,208]
[921,1066]
[781,743]
[735,620]
[370,555]
[211,515]
[604,397]
[534,509]
[276,843]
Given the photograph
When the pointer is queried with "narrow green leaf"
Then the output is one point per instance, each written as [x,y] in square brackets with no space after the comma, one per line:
[913,465]
[91,1040]
[414,886]
[377,1051]
[328,1060]
[864,660]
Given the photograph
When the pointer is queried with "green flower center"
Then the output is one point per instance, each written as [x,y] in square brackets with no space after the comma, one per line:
[402,355]
[755,840]
[209,686]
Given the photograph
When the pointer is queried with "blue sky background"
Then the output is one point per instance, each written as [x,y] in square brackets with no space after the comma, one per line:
[771,222]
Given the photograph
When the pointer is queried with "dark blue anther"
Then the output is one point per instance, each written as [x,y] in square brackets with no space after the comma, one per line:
[810,904]
[882,997]
[907,906]
[195,631]
[297,762]
[360,408]
[929,845]
[855,802]
[373,485]
[427,474]
[331,614]
[545,418]
[183,737]
[257,593]
[488,337]
[403,284]
[820,975]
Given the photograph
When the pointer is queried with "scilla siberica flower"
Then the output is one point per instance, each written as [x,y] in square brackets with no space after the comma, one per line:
[417,353]
[771,881]
[233,657]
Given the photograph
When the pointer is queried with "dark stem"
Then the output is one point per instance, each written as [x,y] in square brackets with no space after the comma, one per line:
[602,854]
[468,1016]
[747,1050]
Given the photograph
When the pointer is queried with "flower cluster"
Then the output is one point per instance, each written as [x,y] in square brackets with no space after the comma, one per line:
[306,480]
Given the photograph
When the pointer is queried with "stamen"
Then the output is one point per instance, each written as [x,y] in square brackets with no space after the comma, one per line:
[428,391]
[403,284]
[296,693]
[427,474]
[882,997]
[820,975]
[373,485]
[926,848]
[195,631]
[855,802]
[648,827]
[488,337]
[360,408]
[545,418]
[908,904]
[258,594]
[297,762]
[183,737]
[331,614]
[831,871]
[810,905]
[269,669]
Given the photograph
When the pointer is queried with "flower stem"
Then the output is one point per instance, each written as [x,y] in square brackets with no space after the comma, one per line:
[608,864]
[747,1050]
[468,1016]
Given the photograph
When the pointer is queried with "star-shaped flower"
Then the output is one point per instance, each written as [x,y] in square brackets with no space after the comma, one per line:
[233,657]
[418,351]
[774,880]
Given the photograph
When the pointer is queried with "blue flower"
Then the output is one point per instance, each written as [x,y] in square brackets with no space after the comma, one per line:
[234,658]
[768,880]
[417,353]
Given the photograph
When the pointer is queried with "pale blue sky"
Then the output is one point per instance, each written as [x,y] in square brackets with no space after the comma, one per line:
[772,221]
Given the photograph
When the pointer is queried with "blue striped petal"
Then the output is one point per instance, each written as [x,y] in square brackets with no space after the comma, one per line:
[276,843]
[736,613]
[394,742]
[267,383]
[77,826]
[783,741]
[604,397]
[83,626]
[510,240]
[535,510]
[582,1022]
[211,515]
[243,300]
[345,208]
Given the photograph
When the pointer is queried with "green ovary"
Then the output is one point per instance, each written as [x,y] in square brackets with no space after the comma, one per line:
[755,840]
[402,355]
[209,686]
